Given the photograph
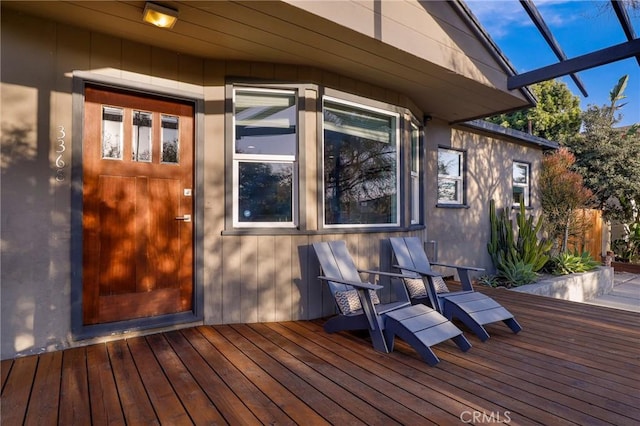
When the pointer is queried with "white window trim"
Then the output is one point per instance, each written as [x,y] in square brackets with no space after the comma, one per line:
[396,137]
[264,158]
[460,178]
[526,185]
[414,180]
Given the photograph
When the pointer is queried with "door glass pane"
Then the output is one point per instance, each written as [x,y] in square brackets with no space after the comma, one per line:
[170,142]
[265,192]
[141,148]
[265,123]
[112,120]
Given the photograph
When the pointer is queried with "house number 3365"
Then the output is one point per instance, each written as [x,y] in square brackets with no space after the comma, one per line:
[60,149]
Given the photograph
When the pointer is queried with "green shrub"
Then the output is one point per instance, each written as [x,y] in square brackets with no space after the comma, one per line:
[502,243]
[489,280]
[570,263]
[533,251]
[627,248]
[516,256]
[517,273]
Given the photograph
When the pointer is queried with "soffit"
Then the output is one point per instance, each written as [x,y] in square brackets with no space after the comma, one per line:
[278,32]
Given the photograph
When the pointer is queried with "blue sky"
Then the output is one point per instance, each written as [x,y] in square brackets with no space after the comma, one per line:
[580,27]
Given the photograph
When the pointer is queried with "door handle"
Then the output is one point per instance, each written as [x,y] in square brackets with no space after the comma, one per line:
[185,218]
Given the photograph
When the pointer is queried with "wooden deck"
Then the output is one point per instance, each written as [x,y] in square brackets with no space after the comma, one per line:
[572,364]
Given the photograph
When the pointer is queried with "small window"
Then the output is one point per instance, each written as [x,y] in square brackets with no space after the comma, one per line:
[360,173]
[520,183]
[451,176]
[415,174]
[142,136]
[170,141]
[265,154]
[112,131]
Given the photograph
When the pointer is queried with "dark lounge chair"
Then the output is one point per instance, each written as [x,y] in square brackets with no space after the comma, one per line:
[360,309]
[473,309]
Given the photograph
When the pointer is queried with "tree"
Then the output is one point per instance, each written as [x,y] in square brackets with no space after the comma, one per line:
[556,116]
[562,192]
[609,158]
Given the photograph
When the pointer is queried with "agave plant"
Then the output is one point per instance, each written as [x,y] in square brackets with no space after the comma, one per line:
[570,263]
[517,273]
[489,280]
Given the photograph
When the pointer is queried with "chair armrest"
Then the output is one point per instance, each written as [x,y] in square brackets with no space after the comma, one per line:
[418,271]
[463,272]
[364,286]
[398,287]
[384,273]
[468,268]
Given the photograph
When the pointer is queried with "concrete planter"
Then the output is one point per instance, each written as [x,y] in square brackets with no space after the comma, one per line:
[574,287]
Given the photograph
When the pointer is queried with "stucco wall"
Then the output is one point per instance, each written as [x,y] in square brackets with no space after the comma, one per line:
[462,233]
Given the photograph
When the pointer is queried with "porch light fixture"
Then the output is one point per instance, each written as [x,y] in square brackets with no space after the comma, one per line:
[160,16]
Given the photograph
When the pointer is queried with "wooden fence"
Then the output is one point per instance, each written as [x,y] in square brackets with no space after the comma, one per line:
[589,238]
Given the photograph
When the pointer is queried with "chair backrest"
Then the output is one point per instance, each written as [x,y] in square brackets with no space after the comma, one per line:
[336,261]
[409,252]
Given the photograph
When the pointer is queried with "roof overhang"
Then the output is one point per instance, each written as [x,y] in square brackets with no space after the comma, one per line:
[516,135]
[284,32]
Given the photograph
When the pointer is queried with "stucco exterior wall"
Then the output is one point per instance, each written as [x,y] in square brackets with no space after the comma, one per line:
[462,233]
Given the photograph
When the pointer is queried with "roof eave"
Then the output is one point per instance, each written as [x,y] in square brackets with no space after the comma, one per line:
[524,137]
[483,36]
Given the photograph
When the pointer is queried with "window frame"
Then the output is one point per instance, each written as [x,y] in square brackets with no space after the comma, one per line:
[361,104]
[238,158]
[527,185]
[415,172]
[461,200]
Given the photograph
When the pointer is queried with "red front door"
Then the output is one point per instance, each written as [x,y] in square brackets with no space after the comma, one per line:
[137,206]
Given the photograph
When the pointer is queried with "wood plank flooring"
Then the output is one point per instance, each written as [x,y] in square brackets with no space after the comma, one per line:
[572,364]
